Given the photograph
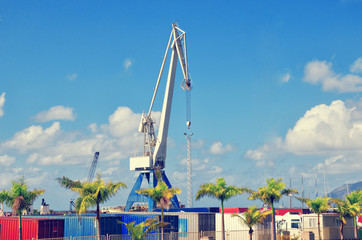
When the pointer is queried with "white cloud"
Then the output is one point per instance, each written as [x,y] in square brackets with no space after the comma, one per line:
[215,170]
[110,171]
[6,160]
[219,148]
[285,78]
[32,138]
[72,76]
[316,72]
[356,67]
[334,131]
[116,140]
[55,113]
[325,128]
[2,102]
[179,176]
[127,63]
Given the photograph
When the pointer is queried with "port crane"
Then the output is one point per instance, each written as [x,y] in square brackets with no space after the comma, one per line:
[155,146]
[90,175]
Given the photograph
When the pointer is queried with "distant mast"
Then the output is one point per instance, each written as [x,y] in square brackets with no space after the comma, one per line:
[302,192]
[316,186]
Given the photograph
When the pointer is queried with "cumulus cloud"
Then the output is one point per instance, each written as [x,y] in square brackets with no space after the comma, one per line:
[127,63]
[334,131]
[356,67]
[72,76]
[55,113]
[325,128]
[32,138]
[320,72]
[285,78]
[116,139]
[219,148]
[2,102]
[6,160]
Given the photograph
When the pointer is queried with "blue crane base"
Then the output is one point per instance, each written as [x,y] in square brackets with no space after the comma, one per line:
[152,182]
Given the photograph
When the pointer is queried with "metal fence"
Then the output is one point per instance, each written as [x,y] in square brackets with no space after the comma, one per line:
[307,234]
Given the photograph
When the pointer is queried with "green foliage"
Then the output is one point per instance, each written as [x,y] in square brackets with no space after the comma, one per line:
[354,197]
[161,193]
[219,191]
[319,205]
[272,192]
[19,197]
[252,216]
[91,193]
[346,210]
[139,231]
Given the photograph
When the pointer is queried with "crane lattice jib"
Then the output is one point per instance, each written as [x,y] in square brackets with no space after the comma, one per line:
[92,168]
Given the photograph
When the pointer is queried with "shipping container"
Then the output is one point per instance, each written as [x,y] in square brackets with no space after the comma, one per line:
[283,211]
[80,226]
[195,210]
[236,229]
[234,210]
[37,228]
[110,225]
[137,218]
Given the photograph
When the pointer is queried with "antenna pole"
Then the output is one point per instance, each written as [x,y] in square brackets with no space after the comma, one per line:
[189,170]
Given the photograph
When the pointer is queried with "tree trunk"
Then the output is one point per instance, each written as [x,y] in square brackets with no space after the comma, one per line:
[273,223]
[20,228]
[319,228]
[98,223]
[341,230]
[222,221]
[251,233]
[355,219]
[162,222]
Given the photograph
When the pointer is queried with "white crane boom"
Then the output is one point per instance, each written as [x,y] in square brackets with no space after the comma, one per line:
[154,149]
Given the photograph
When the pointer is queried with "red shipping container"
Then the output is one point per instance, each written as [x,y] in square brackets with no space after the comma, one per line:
[32,228]
[234,210]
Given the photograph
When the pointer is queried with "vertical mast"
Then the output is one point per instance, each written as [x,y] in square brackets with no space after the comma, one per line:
[189,170]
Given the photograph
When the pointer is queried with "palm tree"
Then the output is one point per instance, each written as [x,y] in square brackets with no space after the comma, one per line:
[19,198]
[345,211]
[355,197]
[161,194]
[91,194]
[221,192]
[319,205]
[270,194]
[251,217]
[139,231]
[3,197]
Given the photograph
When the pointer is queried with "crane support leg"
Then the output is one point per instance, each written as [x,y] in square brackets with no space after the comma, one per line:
[152,182]
[174,199]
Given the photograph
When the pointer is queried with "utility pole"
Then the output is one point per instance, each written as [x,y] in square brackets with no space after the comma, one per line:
[188,137]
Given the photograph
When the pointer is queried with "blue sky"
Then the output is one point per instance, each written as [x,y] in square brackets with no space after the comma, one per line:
[276,91]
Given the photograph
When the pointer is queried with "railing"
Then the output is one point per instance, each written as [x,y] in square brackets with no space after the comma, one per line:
[327,233]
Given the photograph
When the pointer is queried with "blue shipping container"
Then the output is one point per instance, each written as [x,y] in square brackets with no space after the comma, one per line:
[110,225]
